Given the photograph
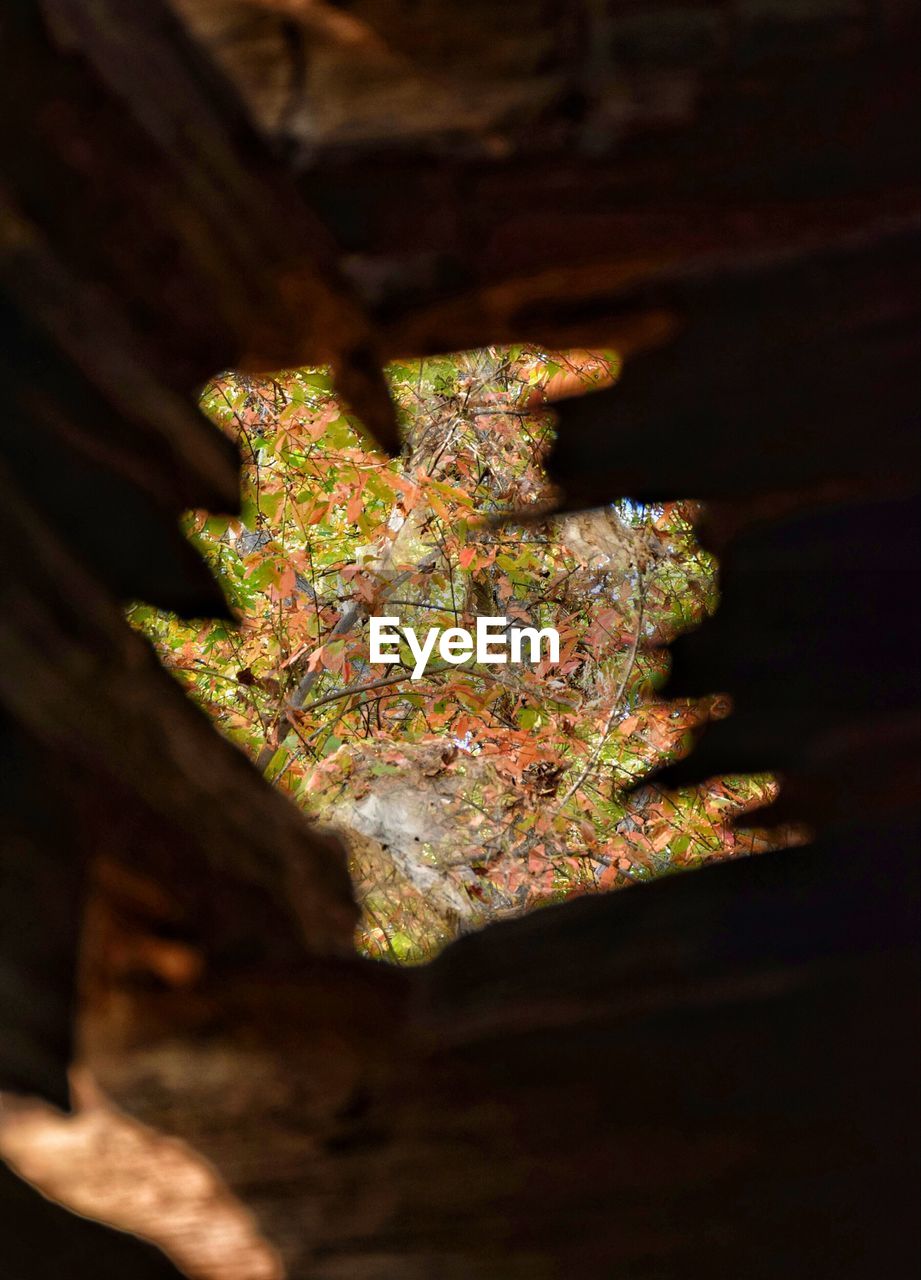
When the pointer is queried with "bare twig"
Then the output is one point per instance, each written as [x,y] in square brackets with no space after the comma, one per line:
[616,703]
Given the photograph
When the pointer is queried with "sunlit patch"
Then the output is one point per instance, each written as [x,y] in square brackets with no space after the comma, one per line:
[106,1166]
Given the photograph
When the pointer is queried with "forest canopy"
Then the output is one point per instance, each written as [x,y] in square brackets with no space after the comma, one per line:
[477,790]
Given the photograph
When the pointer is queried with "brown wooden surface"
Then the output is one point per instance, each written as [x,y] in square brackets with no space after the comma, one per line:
[709,1076]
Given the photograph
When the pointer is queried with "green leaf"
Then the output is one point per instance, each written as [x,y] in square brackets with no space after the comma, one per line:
[279,759]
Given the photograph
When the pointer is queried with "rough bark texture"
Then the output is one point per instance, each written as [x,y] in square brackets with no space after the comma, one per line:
[712,1075]
[41,1238]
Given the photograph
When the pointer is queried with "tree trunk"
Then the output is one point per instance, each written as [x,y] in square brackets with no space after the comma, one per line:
[712,1075]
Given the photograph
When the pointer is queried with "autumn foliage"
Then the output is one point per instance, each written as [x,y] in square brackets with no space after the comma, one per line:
[477,790]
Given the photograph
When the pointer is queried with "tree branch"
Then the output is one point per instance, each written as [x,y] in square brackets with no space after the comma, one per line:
[615,705]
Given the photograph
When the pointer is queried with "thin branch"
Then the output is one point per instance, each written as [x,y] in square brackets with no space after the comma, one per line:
[615,707]
[367,686]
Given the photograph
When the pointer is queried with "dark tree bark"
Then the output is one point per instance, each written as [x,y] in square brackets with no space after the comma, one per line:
[709,1075]
[41,1238]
